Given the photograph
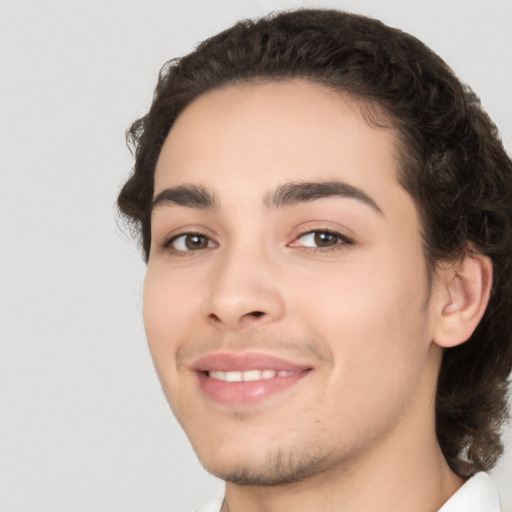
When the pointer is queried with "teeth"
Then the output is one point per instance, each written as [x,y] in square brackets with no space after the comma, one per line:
[233,376]
[249,375]
[252,375]
[285,373]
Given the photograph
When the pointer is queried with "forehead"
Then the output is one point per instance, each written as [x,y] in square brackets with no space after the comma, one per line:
[259,136]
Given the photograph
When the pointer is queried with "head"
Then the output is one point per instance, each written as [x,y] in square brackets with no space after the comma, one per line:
[448,161]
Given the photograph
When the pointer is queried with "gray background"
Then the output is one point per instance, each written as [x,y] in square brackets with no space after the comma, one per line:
[84,425]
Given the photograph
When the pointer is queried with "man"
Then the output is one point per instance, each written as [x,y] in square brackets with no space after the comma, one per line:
[326,214]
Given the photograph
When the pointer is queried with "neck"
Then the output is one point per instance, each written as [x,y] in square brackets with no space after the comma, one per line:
[419,480]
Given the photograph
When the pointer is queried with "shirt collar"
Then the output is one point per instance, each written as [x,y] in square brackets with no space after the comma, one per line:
[478,494]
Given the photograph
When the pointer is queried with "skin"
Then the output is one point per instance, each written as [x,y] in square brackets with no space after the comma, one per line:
[357,433]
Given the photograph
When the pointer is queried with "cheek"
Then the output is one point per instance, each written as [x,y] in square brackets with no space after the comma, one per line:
[167,308]
[370,320]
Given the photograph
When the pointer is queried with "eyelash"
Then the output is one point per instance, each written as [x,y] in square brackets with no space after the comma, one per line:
[342,240]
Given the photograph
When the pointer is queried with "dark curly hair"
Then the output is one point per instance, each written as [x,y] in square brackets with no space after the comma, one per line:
[452,164]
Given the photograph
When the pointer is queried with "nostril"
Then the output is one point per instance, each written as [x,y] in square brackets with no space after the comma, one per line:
[234,320]
[214,317]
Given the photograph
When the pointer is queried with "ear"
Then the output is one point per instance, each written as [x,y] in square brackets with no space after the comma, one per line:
[464,291]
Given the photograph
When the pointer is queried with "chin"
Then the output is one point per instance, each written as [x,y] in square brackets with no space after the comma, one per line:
[277,468]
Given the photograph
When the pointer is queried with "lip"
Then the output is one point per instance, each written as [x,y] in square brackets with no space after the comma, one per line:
[246,392]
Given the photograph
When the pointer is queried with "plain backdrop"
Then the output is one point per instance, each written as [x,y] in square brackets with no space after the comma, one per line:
[84,425]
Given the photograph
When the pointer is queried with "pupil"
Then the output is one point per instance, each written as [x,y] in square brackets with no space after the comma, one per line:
[325,239]
[195,242]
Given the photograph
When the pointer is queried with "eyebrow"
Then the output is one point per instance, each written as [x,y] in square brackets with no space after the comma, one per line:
[196,196]
[298,192]
[193,196]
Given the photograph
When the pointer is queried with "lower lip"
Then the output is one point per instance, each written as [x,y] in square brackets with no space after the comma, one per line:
[246,393]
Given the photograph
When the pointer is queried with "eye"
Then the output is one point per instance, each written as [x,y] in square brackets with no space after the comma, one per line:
[189,242]
[322,239]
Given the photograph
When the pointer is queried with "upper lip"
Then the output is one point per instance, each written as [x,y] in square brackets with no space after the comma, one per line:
[234,361]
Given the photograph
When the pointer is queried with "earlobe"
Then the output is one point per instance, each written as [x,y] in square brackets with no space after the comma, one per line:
[466,288]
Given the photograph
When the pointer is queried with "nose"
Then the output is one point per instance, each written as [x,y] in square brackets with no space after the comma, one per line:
[244,292]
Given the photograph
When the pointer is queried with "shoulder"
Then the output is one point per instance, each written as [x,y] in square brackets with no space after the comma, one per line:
[478,494]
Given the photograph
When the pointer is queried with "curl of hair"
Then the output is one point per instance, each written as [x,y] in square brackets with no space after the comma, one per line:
[451,162]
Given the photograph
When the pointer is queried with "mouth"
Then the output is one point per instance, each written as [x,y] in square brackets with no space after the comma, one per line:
[245,379]
[248,375]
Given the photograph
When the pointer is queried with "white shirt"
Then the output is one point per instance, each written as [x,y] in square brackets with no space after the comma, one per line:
[478,494]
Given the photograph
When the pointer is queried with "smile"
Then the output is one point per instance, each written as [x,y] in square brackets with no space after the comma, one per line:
[249,375]
[242,379]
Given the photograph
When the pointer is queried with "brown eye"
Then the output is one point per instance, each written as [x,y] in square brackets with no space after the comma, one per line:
[322,239]
[190,242]
[326,239]
[193,242]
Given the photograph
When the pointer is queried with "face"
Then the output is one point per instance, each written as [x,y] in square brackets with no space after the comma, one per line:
[286,296]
